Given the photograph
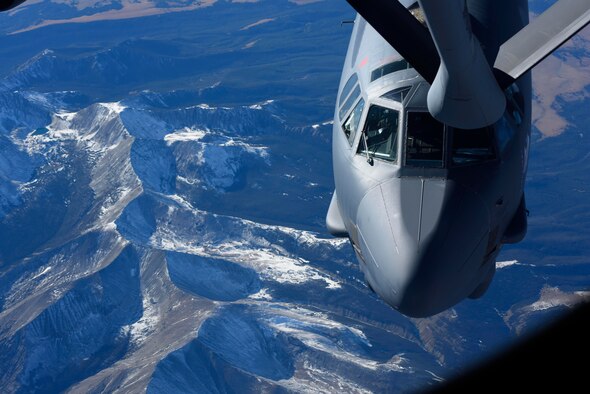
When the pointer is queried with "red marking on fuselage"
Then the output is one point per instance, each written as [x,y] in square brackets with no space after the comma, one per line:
[364,62]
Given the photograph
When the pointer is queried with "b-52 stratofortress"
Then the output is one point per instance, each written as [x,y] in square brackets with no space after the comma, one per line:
[431,138]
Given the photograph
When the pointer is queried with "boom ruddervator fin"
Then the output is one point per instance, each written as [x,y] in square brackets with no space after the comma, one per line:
[542,36]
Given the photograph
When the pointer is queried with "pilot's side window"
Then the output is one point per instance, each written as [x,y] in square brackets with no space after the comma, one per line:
[347,88]
[380,132]
[351,124]
[348,103]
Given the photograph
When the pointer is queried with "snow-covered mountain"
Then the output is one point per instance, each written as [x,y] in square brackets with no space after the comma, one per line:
[130,277]
[162,198]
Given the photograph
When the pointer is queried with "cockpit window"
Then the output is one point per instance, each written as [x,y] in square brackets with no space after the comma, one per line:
[397,94]
[389,68]
[380,132]
[347,88]
[424,141]
[472,146]
[351,100]
[351,124]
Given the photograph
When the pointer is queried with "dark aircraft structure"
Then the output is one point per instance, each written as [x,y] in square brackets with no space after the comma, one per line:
[431,137]
[8,4]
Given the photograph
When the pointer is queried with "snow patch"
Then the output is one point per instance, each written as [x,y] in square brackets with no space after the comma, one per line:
[509,263]
[114,107]
[262,295]
[211,159]
[240,241]
[261,151]
[141,329]
[551,297]
[192,182]
[59,128]
[110,206]
[270,265]
[319,380]
[202,106]
[318,331]
[435,376]
[504,264]
[261,105]
[180,201]
[37,98]
[43,272]
[185,134]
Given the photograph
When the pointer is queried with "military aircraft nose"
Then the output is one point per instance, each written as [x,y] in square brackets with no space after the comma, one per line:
[422,242]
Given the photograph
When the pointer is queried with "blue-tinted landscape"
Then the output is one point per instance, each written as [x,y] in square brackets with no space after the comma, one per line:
[164,180]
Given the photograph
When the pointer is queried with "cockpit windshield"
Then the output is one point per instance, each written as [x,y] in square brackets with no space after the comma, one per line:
[472,146]
[424,141]
[380,132]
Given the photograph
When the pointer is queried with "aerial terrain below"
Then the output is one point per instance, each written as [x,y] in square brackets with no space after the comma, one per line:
[165,171]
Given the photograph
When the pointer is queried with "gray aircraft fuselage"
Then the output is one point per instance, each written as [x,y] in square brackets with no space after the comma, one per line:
[427,207]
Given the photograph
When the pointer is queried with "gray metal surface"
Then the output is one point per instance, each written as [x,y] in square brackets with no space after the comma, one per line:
[426,231]
[395,24]
[464,93]
[334,221]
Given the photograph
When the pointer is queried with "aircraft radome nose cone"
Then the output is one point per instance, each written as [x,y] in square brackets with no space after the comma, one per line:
[423,242]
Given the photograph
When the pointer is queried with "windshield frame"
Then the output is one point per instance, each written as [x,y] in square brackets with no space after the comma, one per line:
[385,103]
[447,147]
[445,143]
